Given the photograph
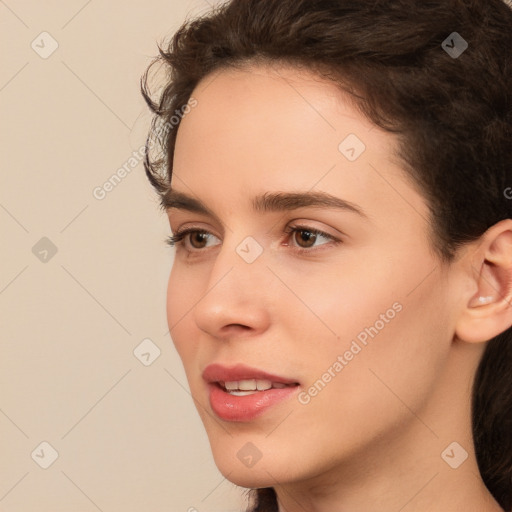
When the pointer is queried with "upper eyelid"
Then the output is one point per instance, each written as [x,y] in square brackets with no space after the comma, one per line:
[297,226]
[305,224]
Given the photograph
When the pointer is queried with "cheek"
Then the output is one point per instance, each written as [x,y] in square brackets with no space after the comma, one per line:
[390,349]
[330,305]
[389,325]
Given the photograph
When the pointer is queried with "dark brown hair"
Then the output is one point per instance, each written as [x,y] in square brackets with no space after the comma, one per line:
[451,114]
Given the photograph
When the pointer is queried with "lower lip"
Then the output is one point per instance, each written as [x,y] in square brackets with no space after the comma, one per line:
[245,408]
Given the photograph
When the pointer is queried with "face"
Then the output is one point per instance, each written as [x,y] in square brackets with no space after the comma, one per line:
[340,301]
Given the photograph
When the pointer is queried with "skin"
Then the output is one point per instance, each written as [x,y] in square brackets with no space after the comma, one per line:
[373,437]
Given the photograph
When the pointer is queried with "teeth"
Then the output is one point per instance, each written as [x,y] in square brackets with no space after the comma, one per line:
[244,387]
[247,385]
[263,384]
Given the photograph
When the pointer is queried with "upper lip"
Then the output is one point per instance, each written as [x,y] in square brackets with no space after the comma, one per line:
[219,373]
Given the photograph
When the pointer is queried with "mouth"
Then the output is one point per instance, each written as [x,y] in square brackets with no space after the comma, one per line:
[241,393]
[245,377]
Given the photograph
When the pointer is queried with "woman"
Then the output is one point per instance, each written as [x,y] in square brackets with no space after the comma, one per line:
[338,180]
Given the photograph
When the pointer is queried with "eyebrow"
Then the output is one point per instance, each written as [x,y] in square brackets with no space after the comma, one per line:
[267,202]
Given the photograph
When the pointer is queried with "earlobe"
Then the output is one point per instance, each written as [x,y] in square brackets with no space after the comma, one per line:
[488,311]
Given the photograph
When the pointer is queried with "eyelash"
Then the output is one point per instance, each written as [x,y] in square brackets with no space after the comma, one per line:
[178,238]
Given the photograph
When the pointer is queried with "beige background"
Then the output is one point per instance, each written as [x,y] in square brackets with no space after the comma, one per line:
[127,435]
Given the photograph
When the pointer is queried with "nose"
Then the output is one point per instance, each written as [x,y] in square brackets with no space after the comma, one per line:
[237,299]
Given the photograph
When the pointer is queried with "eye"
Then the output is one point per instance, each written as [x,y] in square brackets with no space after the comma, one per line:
[199,236]
[306,240]
[308,237]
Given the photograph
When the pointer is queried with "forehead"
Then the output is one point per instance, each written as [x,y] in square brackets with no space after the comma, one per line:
[270,119]
[274,96]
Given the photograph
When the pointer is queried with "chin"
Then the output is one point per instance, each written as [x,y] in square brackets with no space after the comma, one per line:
[249,477]
[250,461]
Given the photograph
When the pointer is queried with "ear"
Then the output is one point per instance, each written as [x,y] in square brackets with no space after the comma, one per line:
[487,310]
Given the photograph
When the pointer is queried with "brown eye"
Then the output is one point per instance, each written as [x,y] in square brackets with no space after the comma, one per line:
[199,237]
[307,240]
[304,239]
[305,236]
